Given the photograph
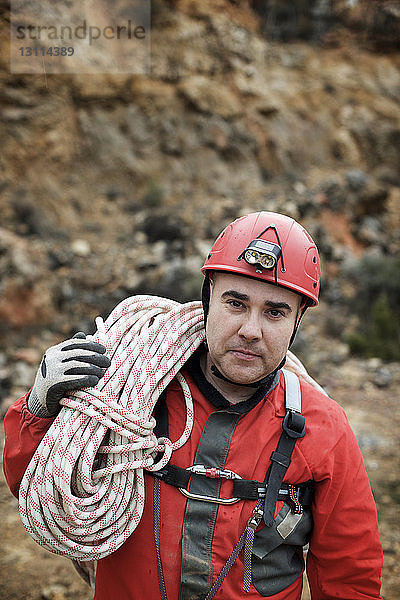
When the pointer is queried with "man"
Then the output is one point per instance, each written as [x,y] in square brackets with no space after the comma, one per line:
[298,473]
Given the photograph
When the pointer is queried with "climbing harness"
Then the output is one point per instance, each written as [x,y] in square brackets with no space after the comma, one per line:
[266,493]
[243,489]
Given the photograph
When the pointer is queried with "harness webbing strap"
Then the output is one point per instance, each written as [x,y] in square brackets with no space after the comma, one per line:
[244,489]
[294,427]
[292,391]
[276,474]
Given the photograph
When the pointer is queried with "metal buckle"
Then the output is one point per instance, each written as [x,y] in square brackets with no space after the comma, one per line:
[214,473]
[255,518]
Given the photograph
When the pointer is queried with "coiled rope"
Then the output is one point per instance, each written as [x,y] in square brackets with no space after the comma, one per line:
[82,494]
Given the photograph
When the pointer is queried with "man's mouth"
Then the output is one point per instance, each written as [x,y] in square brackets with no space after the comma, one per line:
[244,354]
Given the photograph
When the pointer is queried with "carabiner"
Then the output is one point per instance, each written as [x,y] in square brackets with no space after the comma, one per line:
[215,474]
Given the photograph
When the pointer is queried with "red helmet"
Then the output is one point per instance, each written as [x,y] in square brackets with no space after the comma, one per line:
[270,247]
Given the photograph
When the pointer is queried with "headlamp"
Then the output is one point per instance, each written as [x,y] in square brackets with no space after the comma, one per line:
[262,253]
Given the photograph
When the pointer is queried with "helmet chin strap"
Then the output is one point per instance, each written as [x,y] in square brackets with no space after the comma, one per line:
[261,382]
[303,309]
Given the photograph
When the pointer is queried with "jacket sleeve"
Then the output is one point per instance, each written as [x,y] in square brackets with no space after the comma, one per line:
[23,434]
[345,555]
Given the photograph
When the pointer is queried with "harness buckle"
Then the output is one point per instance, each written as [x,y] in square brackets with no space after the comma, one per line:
[294,424]
[255,518]
[214,473]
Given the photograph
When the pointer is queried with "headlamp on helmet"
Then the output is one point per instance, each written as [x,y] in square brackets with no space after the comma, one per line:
[262,253]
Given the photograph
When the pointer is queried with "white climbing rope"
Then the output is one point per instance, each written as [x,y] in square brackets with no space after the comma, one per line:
[82,494]
[296,366]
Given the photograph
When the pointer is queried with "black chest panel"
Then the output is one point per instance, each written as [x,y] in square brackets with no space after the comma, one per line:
[198,526]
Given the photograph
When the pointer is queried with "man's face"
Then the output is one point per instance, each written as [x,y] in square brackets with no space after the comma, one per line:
[249,326]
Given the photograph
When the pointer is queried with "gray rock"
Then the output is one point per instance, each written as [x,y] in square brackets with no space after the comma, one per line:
[23,374]
[382,377]
[356,179]
[369,231]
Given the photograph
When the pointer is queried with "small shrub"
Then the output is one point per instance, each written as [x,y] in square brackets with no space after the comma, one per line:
[377,305]
[153,196]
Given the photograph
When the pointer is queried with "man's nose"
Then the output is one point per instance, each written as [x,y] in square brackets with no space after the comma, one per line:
[250,328]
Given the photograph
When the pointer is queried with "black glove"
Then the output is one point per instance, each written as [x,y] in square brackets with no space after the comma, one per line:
[71,365]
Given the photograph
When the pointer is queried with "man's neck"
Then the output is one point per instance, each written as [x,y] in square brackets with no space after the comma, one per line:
[233,393]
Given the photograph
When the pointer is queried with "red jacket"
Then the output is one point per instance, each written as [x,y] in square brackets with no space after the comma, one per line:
[345,555]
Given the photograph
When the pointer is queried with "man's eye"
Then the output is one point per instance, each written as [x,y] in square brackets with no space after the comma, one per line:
[235,303]
[275,313]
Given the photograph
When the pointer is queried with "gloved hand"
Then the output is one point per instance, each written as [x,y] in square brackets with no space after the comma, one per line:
[71,365]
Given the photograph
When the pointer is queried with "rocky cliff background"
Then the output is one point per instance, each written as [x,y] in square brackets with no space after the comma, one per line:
[114,185]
